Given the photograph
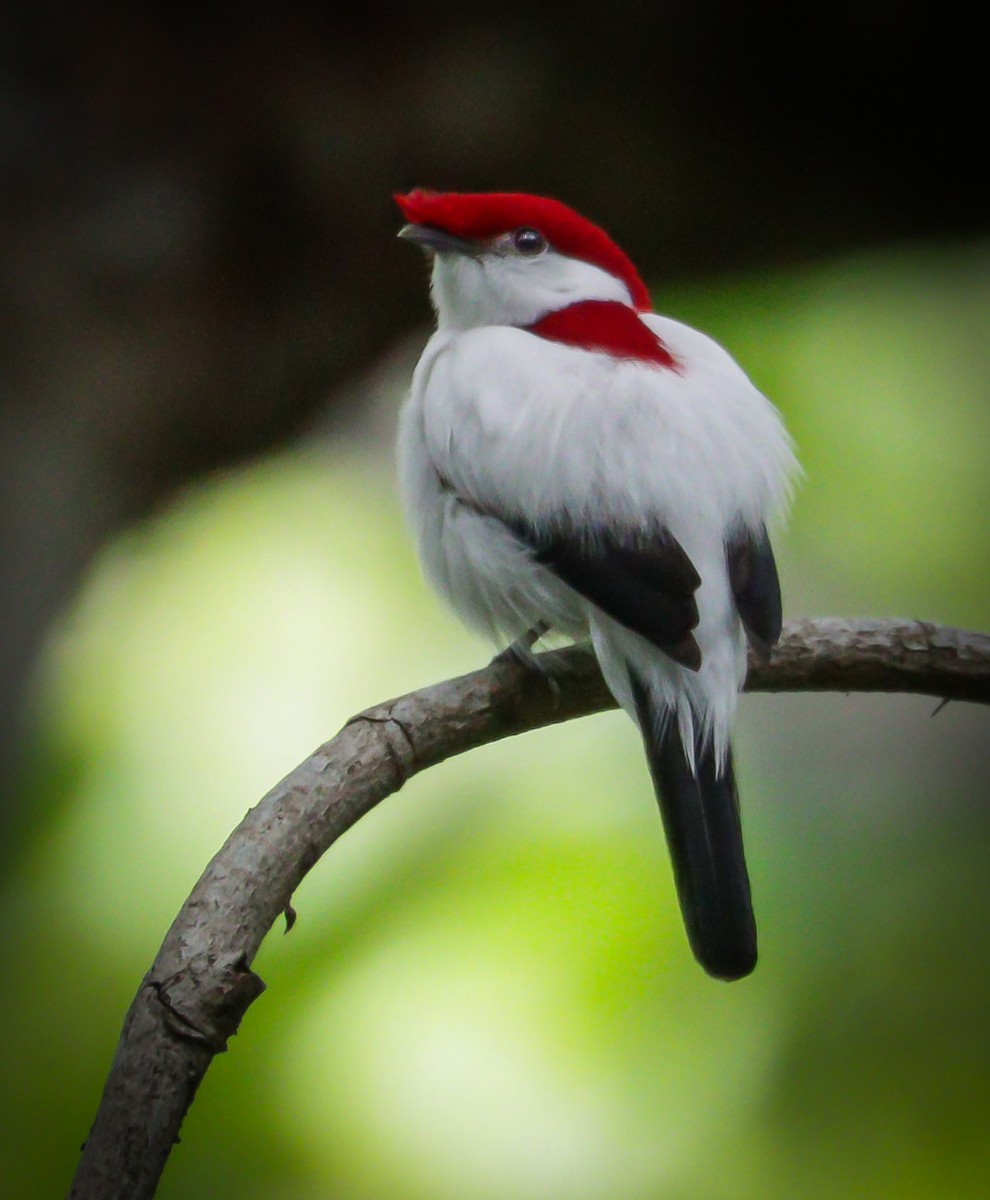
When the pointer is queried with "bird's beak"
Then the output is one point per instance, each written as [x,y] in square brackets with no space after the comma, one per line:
[436,241]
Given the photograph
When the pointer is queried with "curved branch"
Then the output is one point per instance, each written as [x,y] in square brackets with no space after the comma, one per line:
[201,983]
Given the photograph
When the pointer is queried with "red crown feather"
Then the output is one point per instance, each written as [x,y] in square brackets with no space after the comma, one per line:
[487,214]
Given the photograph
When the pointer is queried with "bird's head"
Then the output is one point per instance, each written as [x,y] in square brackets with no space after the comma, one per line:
[505,258]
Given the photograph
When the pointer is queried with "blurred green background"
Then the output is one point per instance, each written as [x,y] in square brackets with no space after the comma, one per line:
[206,328]
[488,992]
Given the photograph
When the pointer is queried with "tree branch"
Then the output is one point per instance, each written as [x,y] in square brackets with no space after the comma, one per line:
[201,983]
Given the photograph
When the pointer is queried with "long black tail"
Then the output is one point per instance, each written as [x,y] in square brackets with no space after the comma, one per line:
[700,811]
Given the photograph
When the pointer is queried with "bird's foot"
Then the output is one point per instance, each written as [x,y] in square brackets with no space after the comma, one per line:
[521,650]
[520,653]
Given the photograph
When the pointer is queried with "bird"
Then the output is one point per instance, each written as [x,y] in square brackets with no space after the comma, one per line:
[571,461]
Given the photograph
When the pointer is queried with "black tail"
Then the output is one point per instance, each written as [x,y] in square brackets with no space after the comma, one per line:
[700,813]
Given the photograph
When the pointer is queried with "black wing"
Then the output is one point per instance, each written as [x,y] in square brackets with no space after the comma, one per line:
[647,585]
[756,588]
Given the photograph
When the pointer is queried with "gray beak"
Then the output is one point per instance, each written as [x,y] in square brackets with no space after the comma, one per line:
[435,241]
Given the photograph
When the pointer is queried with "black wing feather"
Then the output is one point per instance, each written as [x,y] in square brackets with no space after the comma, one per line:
[756,588]
[647,585]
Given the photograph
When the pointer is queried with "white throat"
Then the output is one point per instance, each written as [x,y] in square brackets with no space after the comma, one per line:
[501,289]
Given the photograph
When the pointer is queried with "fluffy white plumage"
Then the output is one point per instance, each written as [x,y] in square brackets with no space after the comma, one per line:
[515,422]
[502,421]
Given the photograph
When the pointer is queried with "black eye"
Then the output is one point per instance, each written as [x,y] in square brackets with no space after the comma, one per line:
[529,242]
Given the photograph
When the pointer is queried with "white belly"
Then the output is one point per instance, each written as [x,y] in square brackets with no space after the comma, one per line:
[487,576]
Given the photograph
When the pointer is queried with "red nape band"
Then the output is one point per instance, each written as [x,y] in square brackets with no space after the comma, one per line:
[608,327]
[485,215]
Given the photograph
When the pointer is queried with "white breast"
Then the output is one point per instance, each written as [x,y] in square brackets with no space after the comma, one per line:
[518,424]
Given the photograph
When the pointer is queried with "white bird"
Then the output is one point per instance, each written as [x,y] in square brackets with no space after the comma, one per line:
[569,459]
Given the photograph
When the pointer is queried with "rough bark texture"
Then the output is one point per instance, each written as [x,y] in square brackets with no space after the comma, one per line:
[201,984]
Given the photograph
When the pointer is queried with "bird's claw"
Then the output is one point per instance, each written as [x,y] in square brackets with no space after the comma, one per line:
[521,650]
[520,653]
